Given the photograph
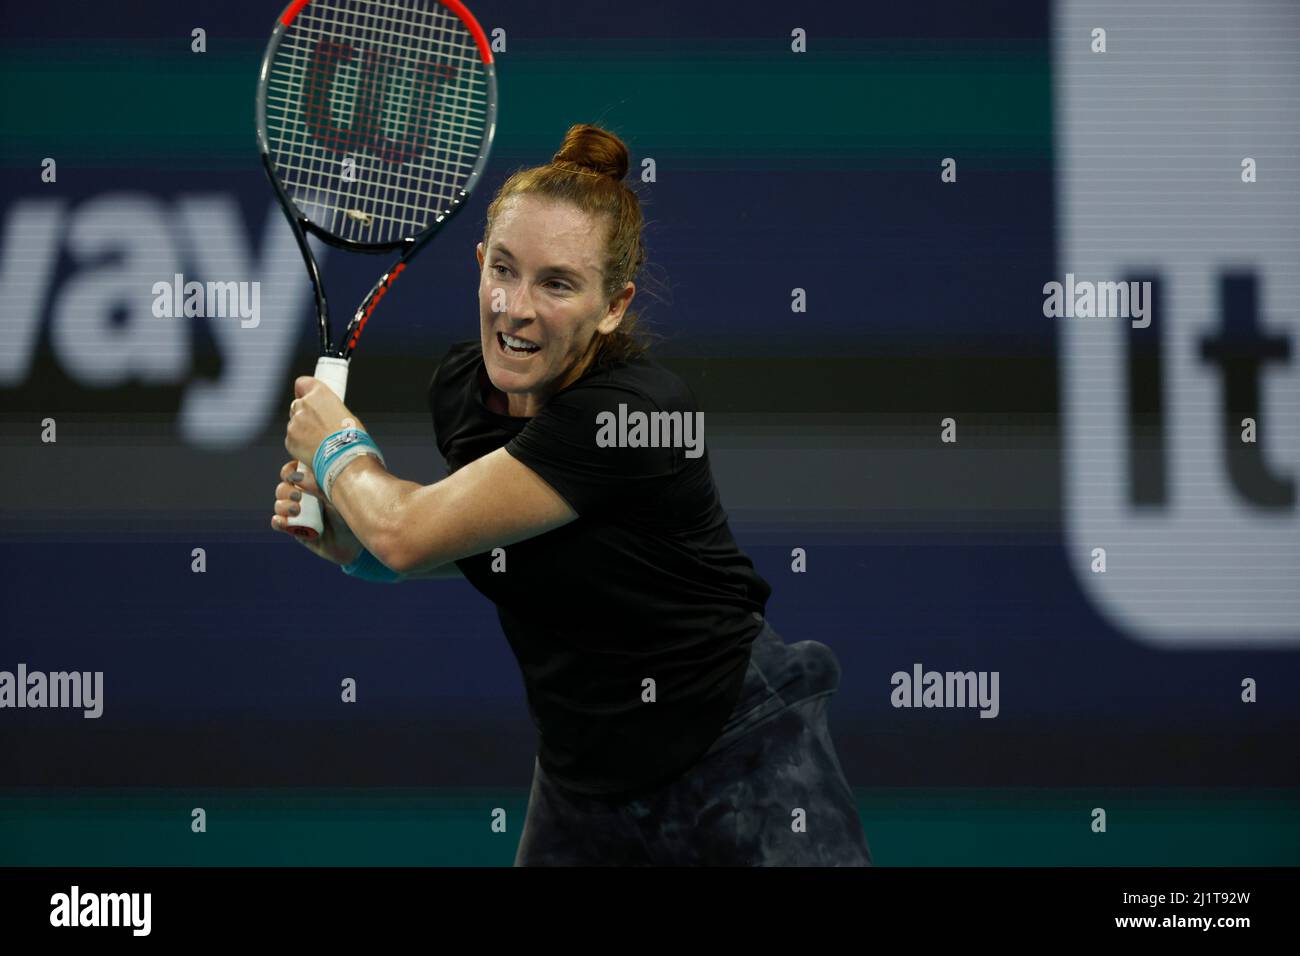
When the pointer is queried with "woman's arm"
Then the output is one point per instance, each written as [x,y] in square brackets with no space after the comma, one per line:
[448,570]
[492,502]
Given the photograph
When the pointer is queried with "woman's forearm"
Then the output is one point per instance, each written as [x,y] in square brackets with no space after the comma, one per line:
[372,503]
[448,570]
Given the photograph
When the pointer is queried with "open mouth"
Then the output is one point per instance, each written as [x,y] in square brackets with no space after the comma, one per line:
[516,347]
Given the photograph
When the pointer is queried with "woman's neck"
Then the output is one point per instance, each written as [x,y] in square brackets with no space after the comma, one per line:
[526,405]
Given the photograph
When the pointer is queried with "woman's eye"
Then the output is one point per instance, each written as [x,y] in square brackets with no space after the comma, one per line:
[555,283]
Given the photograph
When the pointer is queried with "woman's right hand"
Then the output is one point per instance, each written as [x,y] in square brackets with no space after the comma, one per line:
[336,542]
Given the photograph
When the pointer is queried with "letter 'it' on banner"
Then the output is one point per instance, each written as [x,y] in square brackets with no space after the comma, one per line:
[1201,529]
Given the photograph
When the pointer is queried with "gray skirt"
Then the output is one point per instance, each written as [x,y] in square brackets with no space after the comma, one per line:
[768,792]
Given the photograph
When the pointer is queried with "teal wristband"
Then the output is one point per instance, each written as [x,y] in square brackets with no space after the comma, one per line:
[367,567]
[334,445]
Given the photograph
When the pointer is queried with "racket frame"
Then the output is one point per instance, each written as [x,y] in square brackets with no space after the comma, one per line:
[332,365]
[301,224]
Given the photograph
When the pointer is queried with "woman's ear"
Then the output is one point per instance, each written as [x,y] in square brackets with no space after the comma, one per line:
[617,308]
[478,251]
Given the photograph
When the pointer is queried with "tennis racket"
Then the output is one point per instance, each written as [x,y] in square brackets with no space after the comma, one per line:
[374,121]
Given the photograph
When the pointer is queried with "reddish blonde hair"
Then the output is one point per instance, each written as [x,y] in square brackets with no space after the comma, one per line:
[588,173]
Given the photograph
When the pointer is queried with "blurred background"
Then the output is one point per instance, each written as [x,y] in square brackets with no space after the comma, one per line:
[774,171]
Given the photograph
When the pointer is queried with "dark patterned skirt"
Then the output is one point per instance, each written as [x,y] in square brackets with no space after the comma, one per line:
[769,791]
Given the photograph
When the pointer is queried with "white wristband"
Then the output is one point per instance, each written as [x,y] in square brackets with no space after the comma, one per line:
[342,461]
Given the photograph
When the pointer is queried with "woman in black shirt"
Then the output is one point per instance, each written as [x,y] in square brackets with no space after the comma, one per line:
[675,725]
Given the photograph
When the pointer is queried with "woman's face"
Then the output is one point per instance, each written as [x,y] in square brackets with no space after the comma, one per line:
[540,282]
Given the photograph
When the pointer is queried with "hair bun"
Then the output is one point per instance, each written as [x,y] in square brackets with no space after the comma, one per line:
[595,150]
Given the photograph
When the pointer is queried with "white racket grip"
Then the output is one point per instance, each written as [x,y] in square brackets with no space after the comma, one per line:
[308,523]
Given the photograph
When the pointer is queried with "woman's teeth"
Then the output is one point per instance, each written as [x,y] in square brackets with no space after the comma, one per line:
[514,346]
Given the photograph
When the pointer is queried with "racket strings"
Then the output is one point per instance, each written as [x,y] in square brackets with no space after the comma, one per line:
[360,89]
[406,29]
[396,86]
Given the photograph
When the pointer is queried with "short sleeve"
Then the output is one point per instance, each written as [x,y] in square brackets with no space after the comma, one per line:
[598,444]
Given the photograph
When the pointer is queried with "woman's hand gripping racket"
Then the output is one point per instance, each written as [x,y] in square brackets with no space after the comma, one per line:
[374,121]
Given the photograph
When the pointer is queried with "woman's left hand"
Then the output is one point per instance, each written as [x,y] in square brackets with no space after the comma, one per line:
[315,414]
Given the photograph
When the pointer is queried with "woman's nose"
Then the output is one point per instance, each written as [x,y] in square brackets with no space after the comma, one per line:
[520,302]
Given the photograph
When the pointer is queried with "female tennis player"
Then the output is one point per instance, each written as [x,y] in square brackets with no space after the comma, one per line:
[676,727]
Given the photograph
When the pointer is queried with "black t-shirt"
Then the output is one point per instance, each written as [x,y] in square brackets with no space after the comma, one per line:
[647,582]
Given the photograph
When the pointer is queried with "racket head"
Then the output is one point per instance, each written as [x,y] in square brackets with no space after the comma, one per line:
[404,90]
